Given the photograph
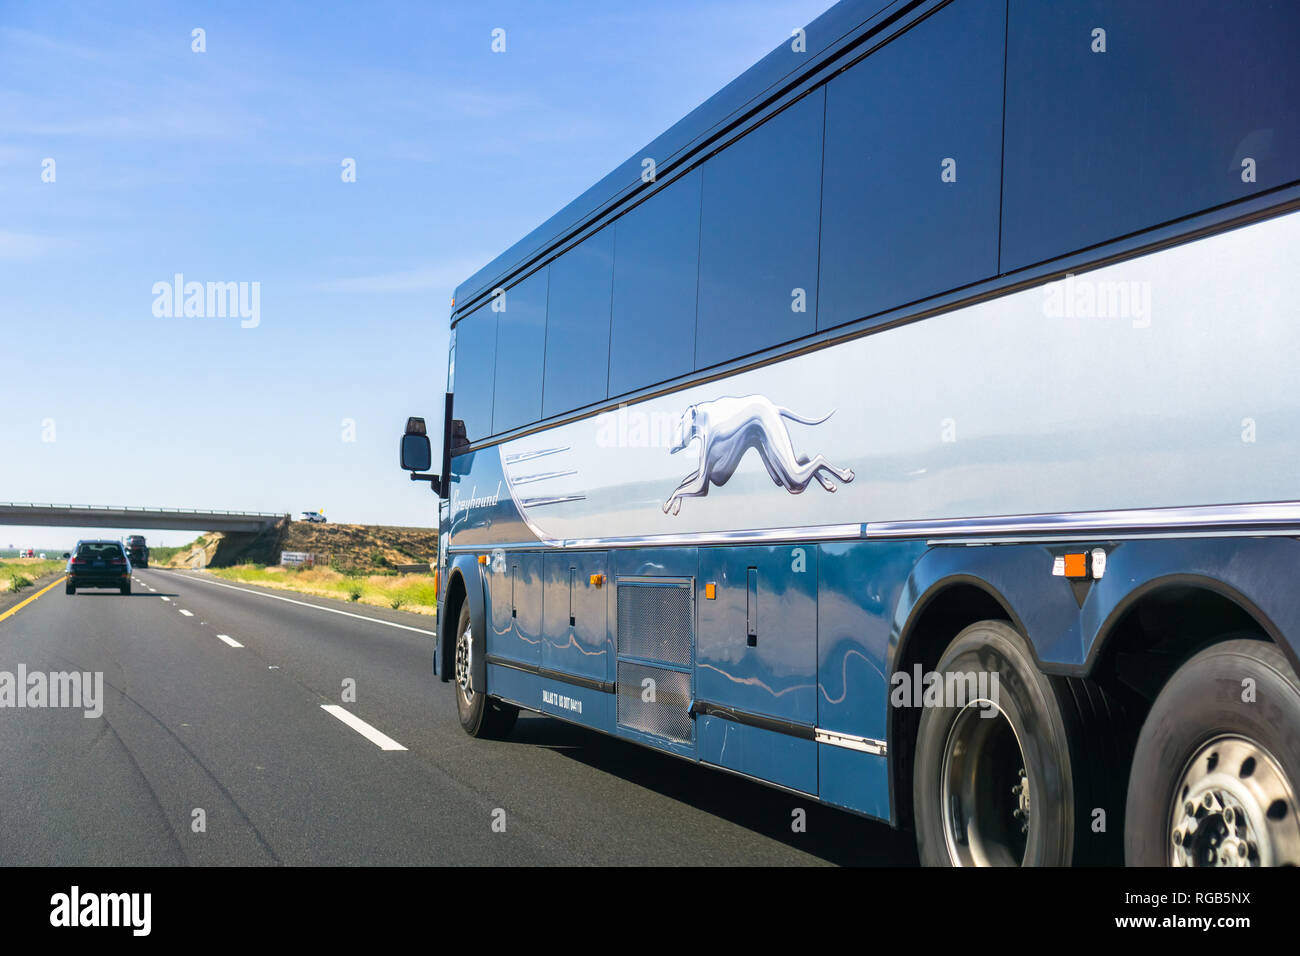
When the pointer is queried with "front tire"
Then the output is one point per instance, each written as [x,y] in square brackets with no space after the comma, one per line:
[1217,768]
[480,715]
[1014,779]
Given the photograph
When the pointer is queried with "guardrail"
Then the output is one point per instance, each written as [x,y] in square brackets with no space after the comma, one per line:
[130,509]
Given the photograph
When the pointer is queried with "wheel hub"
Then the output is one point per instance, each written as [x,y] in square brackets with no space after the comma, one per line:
[1233,807]
[464,661]
[985,790]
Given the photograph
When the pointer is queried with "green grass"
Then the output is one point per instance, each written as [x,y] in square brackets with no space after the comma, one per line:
[409,592]
[16,575]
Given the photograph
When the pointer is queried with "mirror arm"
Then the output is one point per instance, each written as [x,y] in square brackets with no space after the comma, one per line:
[434,480]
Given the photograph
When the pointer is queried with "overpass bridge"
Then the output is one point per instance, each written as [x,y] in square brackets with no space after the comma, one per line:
[144,519]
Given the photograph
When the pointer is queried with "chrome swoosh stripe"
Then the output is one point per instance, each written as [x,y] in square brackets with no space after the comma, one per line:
[541,476]
[530,455]
[551,500]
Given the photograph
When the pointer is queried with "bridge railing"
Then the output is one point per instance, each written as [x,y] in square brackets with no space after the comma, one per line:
[122,509]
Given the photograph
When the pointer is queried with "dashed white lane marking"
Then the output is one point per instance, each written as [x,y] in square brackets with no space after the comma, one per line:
[229,640]
[185,612]
[317,607]
[168,600]
[382,740]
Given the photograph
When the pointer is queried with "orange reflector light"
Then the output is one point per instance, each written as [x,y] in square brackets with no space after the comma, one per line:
[711,592]
[597,580]
[437,582]
[1071,566]
[482,559]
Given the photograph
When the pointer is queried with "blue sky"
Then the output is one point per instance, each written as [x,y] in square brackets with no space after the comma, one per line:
[225,166]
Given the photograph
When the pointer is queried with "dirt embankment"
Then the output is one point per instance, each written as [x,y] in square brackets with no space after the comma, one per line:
[346,547]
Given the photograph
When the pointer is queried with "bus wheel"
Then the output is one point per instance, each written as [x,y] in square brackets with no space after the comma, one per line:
[480,715]
[1217,768]
[1013,776]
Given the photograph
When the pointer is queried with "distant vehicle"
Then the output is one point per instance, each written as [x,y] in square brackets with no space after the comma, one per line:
[42,555]
[315,517]
[29,553]
[98,564]
[136,550]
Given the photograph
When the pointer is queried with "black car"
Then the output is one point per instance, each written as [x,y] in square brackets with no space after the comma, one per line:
[136,551]
[98,564]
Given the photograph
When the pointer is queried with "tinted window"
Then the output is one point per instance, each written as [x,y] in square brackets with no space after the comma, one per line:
[913,163]
[100,550]
[1157,127]
[521,341]
[476,346]
[758,236]
[656,261]
[577,325]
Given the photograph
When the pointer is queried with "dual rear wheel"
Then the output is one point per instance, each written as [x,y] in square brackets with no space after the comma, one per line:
[1046,772]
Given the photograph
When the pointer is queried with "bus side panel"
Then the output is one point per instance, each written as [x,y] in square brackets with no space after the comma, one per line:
[861,582]
[756,645]
[582,705]
[576,633]
[515,608]
[764,754]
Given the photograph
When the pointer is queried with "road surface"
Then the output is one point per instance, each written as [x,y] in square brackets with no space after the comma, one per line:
[215,747]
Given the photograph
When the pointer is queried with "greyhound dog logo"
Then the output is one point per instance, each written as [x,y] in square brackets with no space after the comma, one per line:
[727,428]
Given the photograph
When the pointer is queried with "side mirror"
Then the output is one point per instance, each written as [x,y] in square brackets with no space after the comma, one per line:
[417,453]
[66,555]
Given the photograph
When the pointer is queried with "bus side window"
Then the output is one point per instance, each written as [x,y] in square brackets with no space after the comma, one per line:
[760,206]
[577,325]
[1172,108]
[476,345]
[913,166]
[656,265]
[521,338]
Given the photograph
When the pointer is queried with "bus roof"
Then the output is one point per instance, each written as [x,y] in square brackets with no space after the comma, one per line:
[824,36]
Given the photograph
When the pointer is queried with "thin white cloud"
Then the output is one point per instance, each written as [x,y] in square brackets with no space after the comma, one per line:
[25,246]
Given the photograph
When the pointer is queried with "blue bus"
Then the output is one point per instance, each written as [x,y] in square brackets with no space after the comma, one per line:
[914,427]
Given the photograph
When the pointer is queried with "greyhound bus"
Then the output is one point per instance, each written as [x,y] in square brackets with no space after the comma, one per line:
[915,427]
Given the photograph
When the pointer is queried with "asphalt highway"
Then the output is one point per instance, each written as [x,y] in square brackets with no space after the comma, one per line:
[229,735]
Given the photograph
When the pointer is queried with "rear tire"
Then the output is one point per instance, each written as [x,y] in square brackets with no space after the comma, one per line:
[69,589]
[1021,787]
[126,588]
[480,715]
[1215,778]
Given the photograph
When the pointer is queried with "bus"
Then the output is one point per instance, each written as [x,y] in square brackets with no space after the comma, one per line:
[914,427]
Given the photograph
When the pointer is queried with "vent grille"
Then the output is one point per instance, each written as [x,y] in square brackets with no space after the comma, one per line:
[667,714]
[654,622]
[656,643]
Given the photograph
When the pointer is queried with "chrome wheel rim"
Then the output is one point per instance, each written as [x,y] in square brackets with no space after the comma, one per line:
[464,659]
[987,816]
[1234,806]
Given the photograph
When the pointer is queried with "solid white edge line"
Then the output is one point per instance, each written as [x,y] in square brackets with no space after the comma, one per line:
[331,610]
[382,740]
[229,640]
